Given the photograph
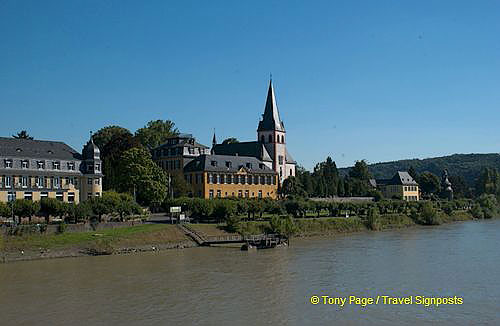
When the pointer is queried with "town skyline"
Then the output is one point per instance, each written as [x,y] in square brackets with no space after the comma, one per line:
[346,78]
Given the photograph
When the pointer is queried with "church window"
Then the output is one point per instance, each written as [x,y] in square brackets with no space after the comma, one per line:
[270,138]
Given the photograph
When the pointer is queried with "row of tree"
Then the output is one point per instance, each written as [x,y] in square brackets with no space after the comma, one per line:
[121,205]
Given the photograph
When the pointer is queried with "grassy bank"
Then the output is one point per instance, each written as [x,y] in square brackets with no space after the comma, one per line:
[134,238]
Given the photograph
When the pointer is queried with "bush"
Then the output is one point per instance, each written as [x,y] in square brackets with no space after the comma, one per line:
[477,211]
[429,215]
[61,228]
[373,221]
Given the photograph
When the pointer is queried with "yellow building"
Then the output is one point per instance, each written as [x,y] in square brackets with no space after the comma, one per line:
[401,185]
[36,169]
[221,176]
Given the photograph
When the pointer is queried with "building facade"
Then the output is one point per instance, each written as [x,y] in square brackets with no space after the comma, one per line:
[223,176]
[401,185]
[36,169]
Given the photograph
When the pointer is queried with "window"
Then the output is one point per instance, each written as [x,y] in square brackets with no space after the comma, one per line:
[40,165]
[71,197]
[44,194]
[291,172]
[24,182]
[222,178]
[213,163]
[283,139]
[261,166]
[25,164]
[97,181]
[228,164]
[262,139]
[270,138]
[218,193]
[56,165]
[98,194]
[11,196]
[229,179]
[28,195]
[240,193]
[56,182]
[71,166]
[247,193]
[8,163]
[242,179]
[262,180]
[89,181]
[39,182]
[90,167]
[7,181]
[211,193]
[218,178]
[210,178]
[280,159]
[249,165]
[89,195]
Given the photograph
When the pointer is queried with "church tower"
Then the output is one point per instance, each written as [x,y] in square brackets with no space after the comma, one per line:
[271,133]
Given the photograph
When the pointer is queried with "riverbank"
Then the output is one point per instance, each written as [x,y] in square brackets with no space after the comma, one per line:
[155,237]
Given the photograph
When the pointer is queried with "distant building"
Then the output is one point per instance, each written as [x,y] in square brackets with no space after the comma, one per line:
[401,185]
[245,169]
[36,169]
[177,151]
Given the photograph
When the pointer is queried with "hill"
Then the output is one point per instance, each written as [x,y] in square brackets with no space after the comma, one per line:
[469,166]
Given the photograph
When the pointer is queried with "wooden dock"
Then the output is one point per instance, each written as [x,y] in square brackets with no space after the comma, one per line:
[260,241]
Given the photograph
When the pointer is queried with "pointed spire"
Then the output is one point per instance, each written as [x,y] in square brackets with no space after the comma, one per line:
[271,117]
[214,142]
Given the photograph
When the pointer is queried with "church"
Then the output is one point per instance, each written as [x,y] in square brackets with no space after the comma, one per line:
[270,146]
[253,169]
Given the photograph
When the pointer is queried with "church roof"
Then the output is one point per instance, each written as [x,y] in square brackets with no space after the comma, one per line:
[271,117]
[227,163]
[252,148]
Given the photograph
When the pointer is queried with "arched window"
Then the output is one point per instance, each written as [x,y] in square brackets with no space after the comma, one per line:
[262,139]
[270,138]
[283,139]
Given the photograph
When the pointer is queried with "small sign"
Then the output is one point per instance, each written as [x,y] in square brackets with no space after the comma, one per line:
[175,209]
[182,217]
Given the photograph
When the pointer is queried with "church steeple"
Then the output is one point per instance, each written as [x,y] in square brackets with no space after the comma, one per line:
[271,117]
[214,142]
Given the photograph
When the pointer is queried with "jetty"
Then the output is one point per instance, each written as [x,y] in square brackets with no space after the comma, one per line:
[260,241]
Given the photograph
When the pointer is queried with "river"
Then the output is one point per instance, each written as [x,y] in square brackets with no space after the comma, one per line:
[225,286]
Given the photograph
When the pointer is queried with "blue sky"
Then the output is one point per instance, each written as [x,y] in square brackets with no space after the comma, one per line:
[374,80]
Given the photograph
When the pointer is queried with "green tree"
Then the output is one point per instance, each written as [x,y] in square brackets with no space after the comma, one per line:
[50,207]
[23,134]
[429,183]
[292,187]
[180,187]
[104,135]
[111,154]
[79,212]
[230,140]
[156,132]
[5,209]
[360,171]
[26,208]
[142,176]
[429,214]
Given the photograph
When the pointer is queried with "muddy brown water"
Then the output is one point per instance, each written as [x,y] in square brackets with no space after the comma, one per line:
[225,286]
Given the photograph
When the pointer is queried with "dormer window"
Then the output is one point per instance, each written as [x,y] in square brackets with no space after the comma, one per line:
[249,165]
[56,165]
[71,166]
[261,166]
[40,164]
[213,163]
[98,167]
[8,163]
[90,167]
[25,164]
[228,164]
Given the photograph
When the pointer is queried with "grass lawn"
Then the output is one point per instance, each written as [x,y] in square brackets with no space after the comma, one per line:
[210,230]
[132,235]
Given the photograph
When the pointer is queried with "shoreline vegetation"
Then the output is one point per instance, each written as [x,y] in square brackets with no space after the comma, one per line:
[157,237]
